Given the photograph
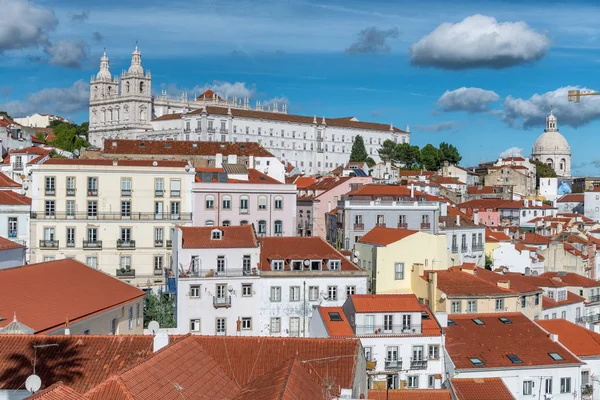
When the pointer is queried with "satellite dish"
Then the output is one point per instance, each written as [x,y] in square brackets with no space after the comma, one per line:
[155,163]
[187,168]
[355,260]
[356,253]
[76,152]
[153,327]
[33,383]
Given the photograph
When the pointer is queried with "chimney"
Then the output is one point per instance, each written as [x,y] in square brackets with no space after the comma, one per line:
[554,337]
[161,339]
[412,191]
[476,218]
[458,220]
[67,329]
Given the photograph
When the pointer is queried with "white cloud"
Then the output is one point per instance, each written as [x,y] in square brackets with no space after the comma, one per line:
[479,41]
[532,112]
[468,99]
[66,53]
[512,152]
[275,100]
[24,25]
[222,88]
[373,40]
[51,100]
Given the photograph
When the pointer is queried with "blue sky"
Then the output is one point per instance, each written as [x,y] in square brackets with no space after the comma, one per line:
[393,62]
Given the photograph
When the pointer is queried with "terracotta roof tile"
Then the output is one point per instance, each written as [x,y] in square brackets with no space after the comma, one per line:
[6,182]
[495,237]
[485,189]
[580,341]
[385,303]
[68,287]
[184,148]
[8,197]
[58,391]
[571,198]
[572,298]
[385,236]
[447,180]
[515,281]
[536,239]
[6,244]
[254,177]
[410,394]
[121,163]
[494,340]
[572,279]
[336,328]
[480,388]
[233,237]
[416,173]
[454,282]
[304,182]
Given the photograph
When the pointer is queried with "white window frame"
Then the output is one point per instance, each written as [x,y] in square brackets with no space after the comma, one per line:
[195,325]
[195,291]
[399,271]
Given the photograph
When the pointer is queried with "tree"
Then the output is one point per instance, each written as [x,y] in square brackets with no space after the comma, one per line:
[370,162]
[542,171]
[160,308]
[489,261]
[408,155]
[388,152]
[359,151]
[430,158]
[67,137]
[449,153]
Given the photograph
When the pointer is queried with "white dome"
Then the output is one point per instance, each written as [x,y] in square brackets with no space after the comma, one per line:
[551,142]
[136,69]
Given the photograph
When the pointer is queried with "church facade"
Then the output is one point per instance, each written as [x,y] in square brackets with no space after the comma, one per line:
[552,148]
[124,108]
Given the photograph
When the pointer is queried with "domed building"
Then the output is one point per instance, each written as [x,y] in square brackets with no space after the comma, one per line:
[552,148]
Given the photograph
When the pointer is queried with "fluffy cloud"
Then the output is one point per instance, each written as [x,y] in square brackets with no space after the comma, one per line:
[532,112]
[441,126]
[66,53]
[52,100]
[467,99]
[275,100]
[373,40]
[24,25]
[479,41]
[222,88]
[82,16]
[512,152]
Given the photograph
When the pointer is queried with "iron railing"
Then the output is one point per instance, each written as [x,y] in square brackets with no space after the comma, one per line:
[142,216]
[219,302]
[92,244]
[48,244]
[124,272]
[393,364]
[418,364]
[403,329]
[125,244]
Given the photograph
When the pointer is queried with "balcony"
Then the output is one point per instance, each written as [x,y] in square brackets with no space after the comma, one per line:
[393,364]
[402,225]
[139,216]
[587,390]
[70,243]
[158,272]
[50,192]
[373,330]
[17,167]
[12,234]
[319,138]
[478,247]
[49,244]
[92,192]
[158,243]
[125,192]
[425,225]
[359,227]
[169,244]
[243,211]
[594,298]
[418,364]
[220,302]
[464,249]
[380,224]
[159,193]
[592,319]
[125,244]
[70,192]
[454,249]
[126,273]
[210,129]
[196,272]
[92,244]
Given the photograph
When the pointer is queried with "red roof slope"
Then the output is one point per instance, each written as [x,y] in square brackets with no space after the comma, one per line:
[572,279]
[58,391]
[6,244]
[385,303]
[492,342]
[385,236]
[336,328]
[233,237]
[79,361]
[183,148]
[480,388]
[411,394]
[6,182]
[455,282]
[579,340]
[572,298]
[66,287]
[571,198]
[535,239]
[8,197]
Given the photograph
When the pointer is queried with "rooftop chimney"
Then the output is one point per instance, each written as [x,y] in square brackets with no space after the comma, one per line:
[458,220]
[554,337]
[161,339]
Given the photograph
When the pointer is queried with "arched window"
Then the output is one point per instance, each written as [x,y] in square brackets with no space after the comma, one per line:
[563,164]
[210,202]
[550,162]
[142,114]
[278,203]
[262,202]
[109,91]
[226,222]
[96,91]
[126,113]
[116,114]
[226,202]
[141,87]
[278,227]
[127,87]
[262,227]
[109,117]
[244,204]
[209,222]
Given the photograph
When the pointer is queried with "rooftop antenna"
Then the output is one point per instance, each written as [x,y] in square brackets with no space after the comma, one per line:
[34,382]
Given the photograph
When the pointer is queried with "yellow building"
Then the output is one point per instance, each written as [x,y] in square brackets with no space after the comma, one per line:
[470,289]
[390,255]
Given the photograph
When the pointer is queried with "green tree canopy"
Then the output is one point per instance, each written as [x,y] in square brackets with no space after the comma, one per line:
[160,308]
[408,155]
[68,136]
[370,162]
[449,153]
[388,152]
[359,151]
[430,158]
[543,171]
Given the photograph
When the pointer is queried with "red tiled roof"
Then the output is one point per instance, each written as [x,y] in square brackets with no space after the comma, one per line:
[406,172]
[449,221]
[410,394]
[516,284]
[446,180]
[31,150]
[539,280]
[536,239]
[480,388]
[485,189]
[336,328]
[6,182]
[571,198]
[254,176]
[572,279]
[377,303]
[121,163]
[304,181]
[79,361]
[572,298]
[233,237]
[184,148]
[328,183]
[67,287]
[494,236]
[455,282]
[300,248]
[8,197]
[58,391]
[6,244]
[580,341]
[385,236]
[392,191]
[493,341]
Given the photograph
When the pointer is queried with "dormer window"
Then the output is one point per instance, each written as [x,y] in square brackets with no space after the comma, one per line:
[277,265]
[216,234]
[334,265]
[297,265]
[315,265]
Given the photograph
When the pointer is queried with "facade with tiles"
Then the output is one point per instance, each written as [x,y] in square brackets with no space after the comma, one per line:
[116,216]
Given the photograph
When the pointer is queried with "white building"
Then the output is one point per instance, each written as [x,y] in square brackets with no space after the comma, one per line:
[114,215]
[466,238]
[15,211]
[591,204]
[125,108]
[552,148]
[39,120]
[402,339]
[512,347]
[519,258]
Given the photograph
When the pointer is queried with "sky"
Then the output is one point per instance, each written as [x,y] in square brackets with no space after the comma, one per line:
[479,75]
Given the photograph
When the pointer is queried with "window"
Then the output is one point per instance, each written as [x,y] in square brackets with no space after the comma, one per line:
[130,318]
[50,186]
[246,323]
[527,388]
[113,326]
[126,208]
[277,265]
[434,351]
[334,265]
[244,204]
[562,295]
[12,227]
[476,362]
[125,186]
[50,208]
[556,356]
[275,325]
[216,235]
[331,293]
[70,237]
[548,386]
[246,289]
[92,186]
[221,329]
[92,208]
[275,293]
[563,314]
[194,325]
[175,187]
[412,381]
[565,385]
[431,381]
[175,207]
[388,322]
[505,320]
[514,359]
[262,202]
[92,261]
[262,227]
[226,201]
[455,307]
[125,262]
[499,304]
[523,301]
[159,187]
[399,271]
[294,293]
[70,208]
[472,306]
[406,321]
[313,293]
[220,263]
[125,234]
[278,227]
[294,326]
[279,203]
[350,290]
[537,299]
[195,291]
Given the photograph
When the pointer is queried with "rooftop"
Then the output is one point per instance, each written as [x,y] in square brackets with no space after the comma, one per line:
[119,163]
[489,344]
[230,237]
[485,189]
[221,175]
[480,388]
[183,148]
[67,288]
[535,239]
[6,182]
[572,279]
[410,394]
[572,298]
[580,341]
[379,303]
[572,198]
[10,198]
[6,244]
[515,284]
[384,236]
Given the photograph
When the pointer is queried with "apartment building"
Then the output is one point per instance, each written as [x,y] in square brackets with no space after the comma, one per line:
[402,339]
[114,215]
[236,195]
[18,162]
[465,237]
[15,210]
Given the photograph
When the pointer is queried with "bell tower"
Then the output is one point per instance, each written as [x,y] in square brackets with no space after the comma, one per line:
[136,91]
[104,90]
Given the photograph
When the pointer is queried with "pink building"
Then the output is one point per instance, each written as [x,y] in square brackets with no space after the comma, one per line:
[315,200]
[235,195]
[484,210]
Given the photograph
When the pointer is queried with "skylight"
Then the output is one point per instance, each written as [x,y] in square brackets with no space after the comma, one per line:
[477,362]
[335,316]
[505,320]
[514,358]
[556,356]
[451,323]
[478,321]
